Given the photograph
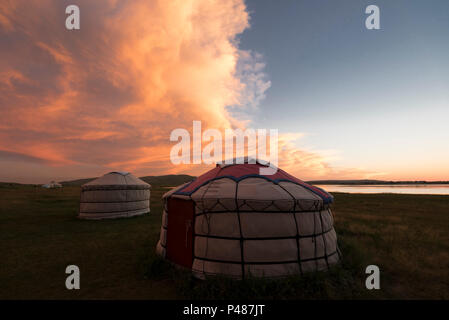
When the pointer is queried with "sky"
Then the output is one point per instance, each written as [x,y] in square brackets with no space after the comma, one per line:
[349,103]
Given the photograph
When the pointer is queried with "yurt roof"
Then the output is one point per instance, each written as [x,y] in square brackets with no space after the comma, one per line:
[116,180]
[240,172]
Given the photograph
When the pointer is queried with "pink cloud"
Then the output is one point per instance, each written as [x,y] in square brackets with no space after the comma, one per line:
[107,96]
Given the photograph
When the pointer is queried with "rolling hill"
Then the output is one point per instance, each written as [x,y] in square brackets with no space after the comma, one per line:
[170,180]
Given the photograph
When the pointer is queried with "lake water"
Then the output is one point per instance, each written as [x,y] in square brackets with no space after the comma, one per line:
[407,189]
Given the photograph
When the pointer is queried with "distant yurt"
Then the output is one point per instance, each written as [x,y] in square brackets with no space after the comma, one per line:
[114,195]
[52,185]
[236,222]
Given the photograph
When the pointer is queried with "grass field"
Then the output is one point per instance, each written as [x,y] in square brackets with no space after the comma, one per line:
[407,236]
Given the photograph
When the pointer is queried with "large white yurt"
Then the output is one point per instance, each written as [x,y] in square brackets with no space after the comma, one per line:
[236,222]
[114,195]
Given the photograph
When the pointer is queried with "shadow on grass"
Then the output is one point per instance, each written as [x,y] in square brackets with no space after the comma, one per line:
[343,281]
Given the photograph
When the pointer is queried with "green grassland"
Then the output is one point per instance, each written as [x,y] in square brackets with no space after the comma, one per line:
[407,236]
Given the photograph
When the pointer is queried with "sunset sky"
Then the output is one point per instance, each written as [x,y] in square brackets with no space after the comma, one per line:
[349,103]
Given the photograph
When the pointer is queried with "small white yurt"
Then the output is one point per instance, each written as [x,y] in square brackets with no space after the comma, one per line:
[236,222]
[52,185]
[114,195]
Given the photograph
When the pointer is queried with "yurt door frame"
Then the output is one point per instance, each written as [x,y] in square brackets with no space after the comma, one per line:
[180,226]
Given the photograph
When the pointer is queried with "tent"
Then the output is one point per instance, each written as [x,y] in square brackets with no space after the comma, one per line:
[114,195]
[52,185]
[233,221]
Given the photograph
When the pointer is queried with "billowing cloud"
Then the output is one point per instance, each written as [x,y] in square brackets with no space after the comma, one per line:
[109,94]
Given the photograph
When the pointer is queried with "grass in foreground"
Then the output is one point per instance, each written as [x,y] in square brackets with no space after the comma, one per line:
[405,235]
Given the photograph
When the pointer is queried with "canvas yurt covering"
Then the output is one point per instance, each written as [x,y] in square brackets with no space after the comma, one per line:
[114,195]
[233,221]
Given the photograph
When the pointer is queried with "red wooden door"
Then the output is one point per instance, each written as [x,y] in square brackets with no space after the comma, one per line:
[180,231]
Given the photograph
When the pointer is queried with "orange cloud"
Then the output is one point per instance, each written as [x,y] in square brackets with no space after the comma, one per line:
[108,95]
